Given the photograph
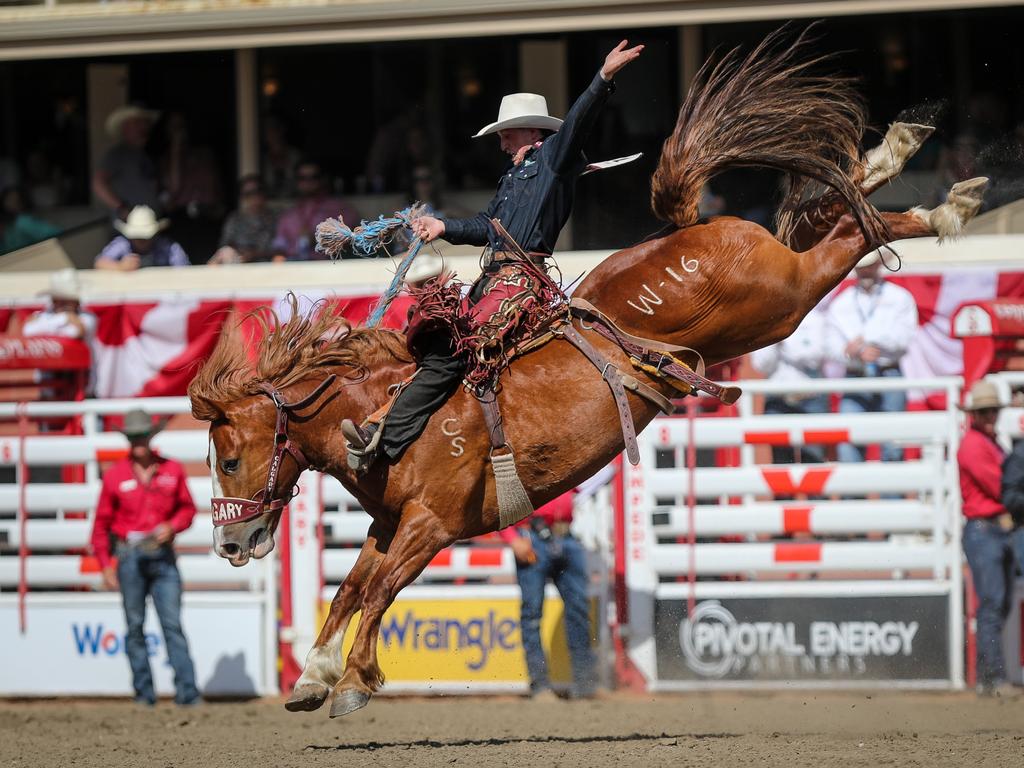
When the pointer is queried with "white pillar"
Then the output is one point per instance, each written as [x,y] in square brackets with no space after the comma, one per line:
[247,111]
[690,58]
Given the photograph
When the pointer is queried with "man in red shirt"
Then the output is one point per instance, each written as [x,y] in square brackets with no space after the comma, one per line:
[545,548]
[986,533]
[143,505]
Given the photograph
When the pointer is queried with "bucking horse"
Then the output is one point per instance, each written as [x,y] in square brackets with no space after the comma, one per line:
[721,286]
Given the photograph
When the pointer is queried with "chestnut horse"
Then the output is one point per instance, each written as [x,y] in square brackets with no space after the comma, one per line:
[723,286]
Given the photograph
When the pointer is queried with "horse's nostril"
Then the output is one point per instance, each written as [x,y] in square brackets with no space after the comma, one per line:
[255,538]
[230,549]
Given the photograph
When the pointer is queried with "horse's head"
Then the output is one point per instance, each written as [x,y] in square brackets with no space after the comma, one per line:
[253,461]
[254,465]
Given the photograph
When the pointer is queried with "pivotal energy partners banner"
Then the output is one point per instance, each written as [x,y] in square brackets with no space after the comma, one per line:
[804,638]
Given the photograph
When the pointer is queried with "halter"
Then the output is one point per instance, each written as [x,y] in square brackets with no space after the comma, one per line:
[229,510]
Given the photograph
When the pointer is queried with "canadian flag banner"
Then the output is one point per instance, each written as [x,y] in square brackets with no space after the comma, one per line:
[150,349]
[154,349]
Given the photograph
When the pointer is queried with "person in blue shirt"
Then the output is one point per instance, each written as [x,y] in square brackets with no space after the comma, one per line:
[533,202]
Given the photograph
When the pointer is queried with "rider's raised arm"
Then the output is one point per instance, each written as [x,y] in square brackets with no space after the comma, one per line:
[567,145]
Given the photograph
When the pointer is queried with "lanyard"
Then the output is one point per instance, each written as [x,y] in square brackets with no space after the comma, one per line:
[874,299]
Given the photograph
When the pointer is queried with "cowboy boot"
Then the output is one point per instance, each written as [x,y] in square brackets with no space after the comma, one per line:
[362,443]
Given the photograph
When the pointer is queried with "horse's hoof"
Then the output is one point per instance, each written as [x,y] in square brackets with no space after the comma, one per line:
[349,701]
[307,697]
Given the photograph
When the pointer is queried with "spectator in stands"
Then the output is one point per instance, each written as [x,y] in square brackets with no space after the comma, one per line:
[1013,499]
[279,162]
[986,536]
[796,359]
[248,233]
[127,175]
[544,548]
[140,244]
[144,503]
[64,315]
[18,228]
[869,327]
[193,194]
[295,239]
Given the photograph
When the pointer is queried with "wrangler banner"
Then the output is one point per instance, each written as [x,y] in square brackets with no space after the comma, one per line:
[882,638]
[447,643]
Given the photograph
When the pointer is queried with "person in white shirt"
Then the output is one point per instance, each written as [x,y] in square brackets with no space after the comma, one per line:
[63,315]
[870,326]
[798,358]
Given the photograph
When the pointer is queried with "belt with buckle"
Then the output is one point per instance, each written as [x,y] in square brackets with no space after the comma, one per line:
[500,257]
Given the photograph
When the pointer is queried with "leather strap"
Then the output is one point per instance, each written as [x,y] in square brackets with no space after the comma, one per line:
[492,417]
[613,377]
[661,360]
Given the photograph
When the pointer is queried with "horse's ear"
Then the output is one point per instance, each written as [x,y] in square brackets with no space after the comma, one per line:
[205,409]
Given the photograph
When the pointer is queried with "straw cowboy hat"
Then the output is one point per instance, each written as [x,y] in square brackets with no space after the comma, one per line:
[138,423]
[983,394]
[64,284]
[142,224]
[119,115]
[424,267]
[522,110]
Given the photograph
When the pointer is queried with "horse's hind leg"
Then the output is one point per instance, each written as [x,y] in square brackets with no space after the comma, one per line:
[880,165]
[324,663]
[887,160]
[418,539]
[962,204]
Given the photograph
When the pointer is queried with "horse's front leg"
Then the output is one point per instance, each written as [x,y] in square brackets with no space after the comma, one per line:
[323,665]
[419,537]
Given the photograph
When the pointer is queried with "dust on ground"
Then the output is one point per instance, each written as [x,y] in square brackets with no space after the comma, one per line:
[790,728]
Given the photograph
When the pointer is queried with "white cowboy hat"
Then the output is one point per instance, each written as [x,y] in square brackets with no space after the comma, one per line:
[142,224]
[424,267]
[119,115]
[983,394]
[522,110]
[64,284]
[872,258]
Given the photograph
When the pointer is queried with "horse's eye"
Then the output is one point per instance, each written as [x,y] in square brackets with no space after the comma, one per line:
[229,466]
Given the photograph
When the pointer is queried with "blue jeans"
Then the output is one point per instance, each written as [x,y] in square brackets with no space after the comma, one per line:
[873,402]
[1017,542]
[993,570]
[564,560]
[153,572]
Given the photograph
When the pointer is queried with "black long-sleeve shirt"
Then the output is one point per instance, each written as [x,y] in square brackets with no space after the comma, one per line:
[535,198]
[1013,483]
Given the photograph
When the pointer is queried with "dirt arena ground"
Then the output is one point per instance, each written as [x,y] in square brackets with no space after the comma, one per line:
[706,729]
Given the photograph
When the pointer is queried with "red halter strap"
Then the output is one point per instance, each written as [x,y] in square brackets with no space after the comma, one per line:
[232,510]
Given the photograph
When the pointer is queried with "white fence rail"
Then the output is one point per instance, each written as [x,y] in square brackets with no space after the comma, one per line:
[879,539]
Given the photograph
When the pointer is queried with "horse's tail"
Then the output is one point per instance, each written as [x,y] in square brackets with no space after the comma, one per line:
[766,109]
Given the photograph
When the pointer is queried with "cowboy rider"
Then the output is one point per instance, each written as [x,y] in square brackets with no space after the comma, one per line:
[533,201]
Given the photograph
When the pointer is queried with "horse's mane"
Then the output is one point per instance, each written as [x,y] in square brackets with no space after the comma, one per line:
[287,353]
[768,109]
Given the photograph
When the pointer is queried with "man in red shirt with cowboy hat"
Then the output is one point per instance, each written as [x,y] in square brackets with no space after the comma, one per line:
[144,503]
[986,536]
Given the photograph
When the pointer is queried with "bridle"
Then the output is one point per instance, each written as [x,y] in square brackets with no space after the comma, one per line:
[227,510]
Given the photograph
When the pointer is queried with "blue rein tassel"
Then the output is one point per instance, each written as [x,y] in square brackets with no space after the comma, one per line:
[396,285]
